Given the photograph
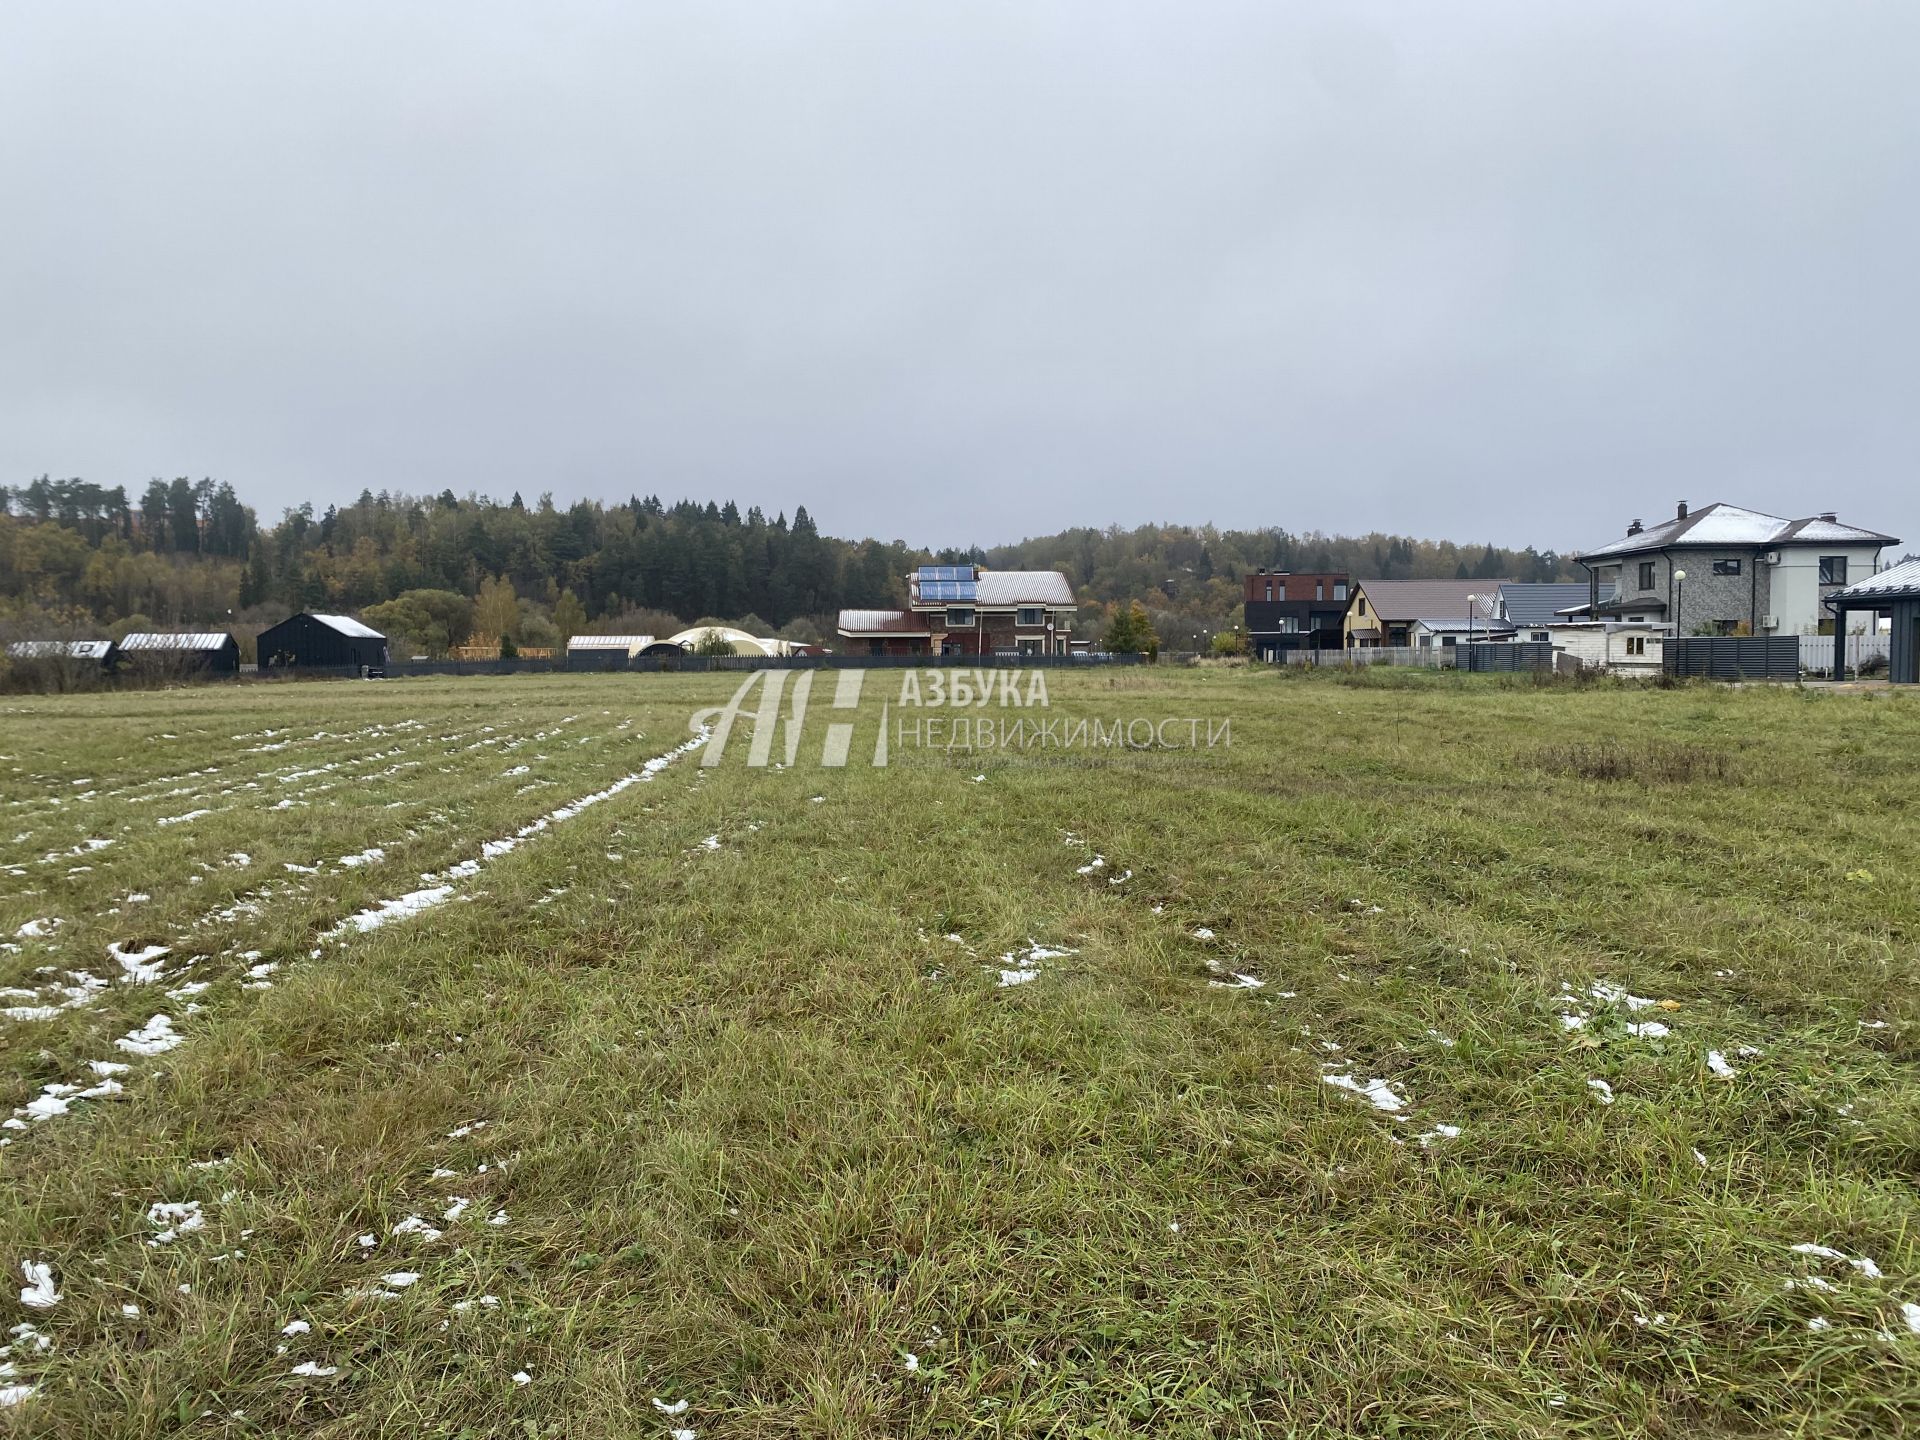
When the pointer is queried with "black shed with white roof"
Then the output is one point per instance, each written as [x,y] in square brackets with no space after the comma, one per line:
[324,641]
[204,650]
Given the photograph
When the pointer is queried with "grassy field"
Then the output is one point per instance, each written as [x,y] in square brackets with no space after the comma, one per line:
[1441,1056]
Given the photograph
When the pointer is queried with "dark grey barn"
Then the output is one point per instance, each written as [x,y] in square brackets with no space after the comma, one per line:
[165,652]
[1896,592]
[324,641]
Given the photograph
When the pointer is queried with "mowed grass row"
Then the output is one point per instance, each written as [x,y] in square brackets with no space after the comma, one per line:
[280,856]
[761,1136]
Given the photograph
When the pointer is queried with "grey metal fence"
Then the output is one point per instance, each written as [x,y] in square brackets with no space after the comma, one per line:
[1505,656]
[1735,657]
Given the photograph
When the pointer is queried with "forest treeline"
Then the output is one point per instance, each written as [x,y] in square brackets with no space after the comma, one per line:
[77,555]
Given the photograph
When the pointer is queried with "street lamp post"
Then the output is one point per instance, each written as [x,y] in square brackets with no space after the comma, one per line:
[1473,602]
[1679,593]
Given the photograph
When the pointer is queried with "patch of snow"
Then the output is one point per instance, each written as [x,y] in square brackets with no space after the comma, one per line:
[174,1218]
[41,1292]
[141,967]
[1378,1092]
[156,1037]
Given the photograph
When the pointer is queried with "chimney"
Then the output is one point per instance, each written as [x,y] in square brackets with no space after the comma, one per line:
[1681,514]
[1830,516]
[1635,528]
[1262,570]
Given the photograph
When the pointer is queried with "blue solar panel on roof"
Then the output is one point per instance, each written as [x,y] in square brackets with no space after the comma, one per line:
[938,574]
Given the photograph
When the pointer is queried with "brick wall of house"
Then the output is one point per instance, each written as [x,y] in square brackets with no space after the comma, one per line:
[1705,598]
[1292,587]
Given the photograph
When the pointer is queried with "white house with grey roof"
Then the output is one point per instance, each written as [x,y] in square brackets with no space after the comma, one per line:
[1725,570]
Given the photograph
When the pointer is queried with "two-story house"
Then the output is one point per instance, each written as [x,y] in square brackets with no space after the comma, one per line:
[1727,571]
[1285,612]
[969,610]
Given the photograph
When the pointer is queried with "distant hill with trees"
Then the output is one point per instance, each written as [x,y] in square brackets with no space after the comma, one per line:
[433,570]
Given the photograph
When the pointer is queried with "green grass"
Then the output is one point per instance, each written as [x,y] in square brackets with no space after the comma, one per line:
[761,1132]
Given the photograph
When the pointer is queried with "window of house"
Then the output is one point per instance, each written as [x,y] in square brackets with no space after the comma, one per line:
[1363,607]
[1636,619]
[1833,569]
[959,617]
[1269,589]
[1636,645]
[1725,627]
[876,647]
[1030,616]
[1646,574]
[1726,567]
[1339,589]
[1319,589]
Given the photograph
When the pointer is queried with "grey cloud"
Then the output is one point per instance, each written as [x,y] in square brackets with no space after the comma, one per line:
[972,271]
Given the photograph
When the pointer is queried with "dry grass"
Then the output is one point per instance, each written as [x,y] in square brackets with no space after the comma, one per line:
[761,1132]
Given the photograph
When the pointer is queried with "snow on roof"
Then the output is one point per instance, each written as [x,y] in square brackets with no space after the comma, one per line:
[1900,580]
[632,644]
[1449,623]
[347,625]
[881,622]
[1734,527]
[71,649]
[207,640]
[1022,587]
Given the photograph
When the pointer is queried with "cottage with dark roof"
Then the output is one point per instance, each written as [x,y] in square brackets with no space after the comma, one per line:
[1389,612]
[968,610]
[1728,571]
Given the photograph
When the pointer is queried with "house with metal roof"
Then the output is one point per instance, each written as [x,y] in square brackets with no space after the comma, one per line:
[314,641]
[1726,570]
[1895,593]
[208,651]
[1386,612]
[969,610]
[1531,608]
[604,652]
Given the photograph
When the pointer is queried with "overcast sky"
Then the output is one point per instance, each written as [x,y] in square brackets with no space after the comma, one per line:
[961,271]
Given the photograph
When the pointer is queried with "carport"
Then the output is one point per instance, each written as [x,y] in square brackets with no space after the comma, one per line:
[1896,591]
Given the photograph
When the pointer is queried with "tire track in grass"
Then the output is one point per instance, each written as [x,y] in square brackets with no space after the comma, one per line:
[389,1263]
[46,931]
[159,1035]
